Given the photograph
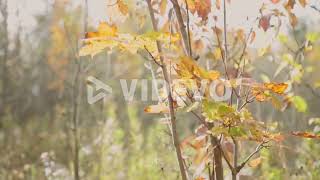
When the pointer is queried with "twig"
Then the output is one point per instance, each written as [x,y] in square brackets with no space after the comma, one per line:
[225,35]
[221,52]
[315,8]
[188,28]
[153,58]
[258,148]
[182,26]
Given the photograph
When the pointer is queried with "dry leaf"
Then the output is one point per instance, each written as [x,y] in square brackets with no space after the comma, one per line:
[218,4]
[303,3]
[256,162]
[305,134]
[253,37]
[264,22]
[123,8]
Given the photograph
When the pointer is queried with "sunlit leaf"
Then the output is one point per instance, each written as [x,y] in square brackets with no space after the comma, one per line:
[278,88]
[217,53]
[283,38]
[123,8]
[108,37]
[312,37]
[156,109]
[255,162]
[300,103]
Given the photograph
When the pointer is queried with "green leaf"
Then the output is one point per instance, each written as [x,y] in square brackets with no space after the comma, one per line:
[237,131]
[300,103]
[283,38]
[312,37]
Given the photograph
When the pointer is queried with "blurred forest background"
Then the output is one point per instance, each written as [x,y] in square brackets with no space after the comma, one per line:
[49,131]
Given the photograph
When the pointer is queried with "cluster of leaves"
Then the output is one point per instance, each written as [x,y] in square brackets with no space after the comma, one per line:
[108,37]
[217,119]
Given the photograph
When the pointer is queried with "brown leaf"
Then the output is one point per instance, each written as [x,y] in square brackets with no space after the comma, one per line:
[123,8]
[276,137]
[253,37]
[305,135]
[264,22]
[293,19]
[256,162]
[303,3]
[290,4]
[203,8]
[218,4]
[259,94]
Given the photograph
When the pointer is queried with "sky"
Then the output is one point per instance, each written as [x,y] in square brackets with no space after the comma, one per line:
[238,11]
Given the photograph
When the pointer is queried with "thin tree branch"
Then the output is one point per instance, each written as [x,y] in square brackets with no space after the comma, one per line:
[225,35]
[175,137]
[153,58]
[188,28]
[182,26]
[258,148]
[315,8]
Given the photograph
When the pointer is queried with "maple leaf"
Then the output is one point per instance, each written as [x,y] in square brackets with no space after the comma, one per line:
[107,36]
[305,134]
[156,109]
[303,3]
[188,69]
[259,94]
[290,5]
[123,8]
[104,30]
[278,88]
[264,22]
[203,8]
[293,19]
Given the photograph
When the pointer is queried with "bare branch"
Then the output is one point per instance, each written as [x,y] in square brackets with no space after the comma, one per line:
[188,28]
[153,58]
[258,148]
[182,26]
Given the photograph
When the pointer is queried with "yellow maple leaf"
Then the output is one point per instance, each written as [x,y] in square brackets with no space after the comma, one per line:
[123,8]
[156,109]
[278,88]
